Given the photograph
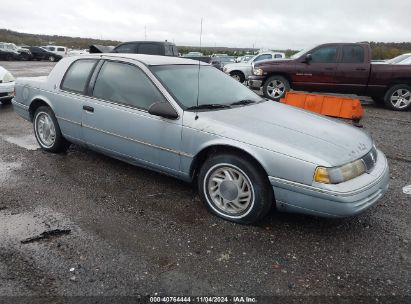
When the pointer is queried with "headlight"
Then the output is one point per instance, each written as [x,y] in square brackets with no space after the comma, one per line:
[258,72]
[8,77]
[340,174]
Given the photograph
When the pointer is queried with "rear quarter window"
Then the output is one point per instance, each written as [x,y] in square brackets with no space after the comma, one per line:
[77,76]
[150,49]
[60,49]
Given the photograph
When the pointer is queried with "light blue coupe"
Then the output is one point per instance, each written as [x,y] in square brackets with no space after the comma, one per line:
[190,120]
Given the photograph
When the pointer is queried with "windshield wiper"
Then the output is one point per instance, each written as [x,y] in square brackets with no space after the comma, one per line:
[242,102]
[209,106]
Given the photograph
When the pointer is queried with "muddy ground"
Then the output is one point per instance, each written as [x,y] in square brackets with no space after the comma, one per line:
[122,230]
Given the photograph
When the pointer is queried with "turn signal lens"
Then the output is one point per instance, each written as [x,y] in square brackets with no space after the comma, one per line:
[321,175]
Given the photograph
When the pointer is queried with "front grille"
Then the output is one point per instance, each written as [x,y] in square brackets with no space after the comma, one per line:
[370,159]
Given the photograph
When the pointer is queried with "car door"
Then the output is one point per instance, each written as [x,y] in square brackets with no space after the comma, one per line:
[317,74]
[115,118]
[353,70]
[71,96]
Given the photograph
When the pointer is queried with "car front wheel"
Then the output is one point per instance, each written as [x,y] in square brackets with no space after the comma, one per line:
[275,87]
[234,188]
[52,58]
[47,131]
[398,97]
[238,76]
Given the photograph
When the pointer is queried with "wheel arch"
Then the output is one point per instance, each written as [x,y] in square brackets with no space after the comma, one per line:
[210,150]
[35,104]
[237,71]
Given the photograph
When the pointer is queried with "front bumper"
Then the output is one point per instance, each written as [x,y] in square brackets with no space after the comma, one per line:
[341,200]
[6,90]
[255,82]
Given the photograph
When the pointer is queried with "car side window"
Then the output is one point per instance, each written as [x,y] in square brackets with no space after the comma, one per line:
[149,48]
[77,75]
[352,54]
[126,48]
[278,56]
[263,57]
[60,49]
[326,54]
[126,84]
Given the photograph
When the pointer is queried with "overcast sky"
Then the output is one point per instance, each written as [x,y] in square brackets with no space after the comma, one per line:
[265,24]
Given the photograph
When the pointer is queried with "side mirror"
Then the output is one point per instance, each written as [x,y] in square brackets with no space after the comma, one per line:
[308,58]
[163,109]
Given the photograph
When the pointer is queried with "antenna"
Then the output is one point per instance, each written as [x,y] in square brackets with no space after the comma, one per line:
[198,75]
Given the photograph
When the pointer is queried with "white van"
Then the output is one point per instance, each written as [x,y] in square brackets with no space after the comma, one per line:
[56,49]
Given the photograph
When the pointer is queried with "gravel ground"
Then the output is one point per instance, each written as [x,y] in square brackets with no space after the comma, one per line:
[123,231]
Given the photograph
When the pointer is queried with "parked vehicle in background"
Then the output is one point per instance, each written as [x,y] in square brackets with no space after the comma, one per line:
[245,153]
[244,58]
[220,61]
[405,61]
[398,59]
[219,55]
[337,68]
[241,70]
[163,48]
[73,52]
[56,49]
[193,54]
[7,55]
[38,53]
[11,52]
[6,86]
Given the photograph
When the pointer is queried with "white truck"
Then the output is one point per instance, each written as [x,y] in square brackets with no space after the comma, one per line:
[241,70]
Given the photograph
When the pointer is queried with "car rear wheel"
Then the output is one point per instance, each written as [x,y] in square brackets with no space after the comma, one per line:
[234,188]
[275,87]
[52,58]
[398,97]
[238,76]
[47,131]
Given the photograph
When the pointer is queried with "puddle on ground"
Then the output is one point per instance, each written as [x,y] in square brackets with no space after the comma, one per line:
[6,169]
[27,142]
[15,228]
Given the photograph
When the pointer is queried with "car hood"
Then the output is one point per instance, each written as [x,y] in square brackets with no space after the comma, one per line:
[288,130]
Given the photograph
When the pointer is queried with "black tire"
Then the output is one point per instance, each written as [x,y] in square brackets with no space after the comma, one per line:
[394,94]
[6,101]
[254,181]
[237,75]
[275,87]
[59,144]
[52,58]
[9,57]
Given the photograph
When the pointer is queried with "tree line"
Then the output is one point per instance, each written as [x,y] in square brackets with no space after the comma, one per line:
[380,50]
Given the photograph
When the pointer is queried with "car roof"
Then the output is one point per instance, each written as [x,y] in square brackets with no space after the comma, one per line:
[147,59]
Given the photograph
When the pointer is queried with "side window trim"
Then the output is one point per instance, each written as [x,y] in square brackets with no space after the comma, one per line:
[87,81]
[97,72]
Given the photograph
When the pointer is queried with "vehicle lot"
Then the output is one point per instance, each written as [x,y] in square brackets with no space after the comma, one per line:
[131,231]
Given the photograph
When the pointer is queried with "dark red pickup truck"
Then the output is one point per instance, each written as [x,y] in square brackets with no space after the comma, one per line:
[337,68]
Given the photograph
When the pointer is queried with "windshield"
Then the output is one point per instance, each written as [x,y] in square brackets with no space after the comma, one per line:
[216,88]
[405,61]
